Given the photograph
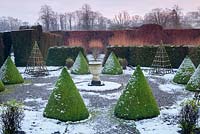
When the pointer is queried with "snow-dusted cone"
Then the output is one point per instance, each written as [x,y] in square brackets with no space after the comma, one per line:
[137,101]
[80,65]
[9,73]
[2,88]
[194,82]
[184,72]
[112,65]
[65,103]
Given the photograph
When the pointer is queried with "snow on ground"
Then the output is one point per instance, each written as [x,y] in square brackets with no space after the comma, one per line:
[109,86]
[35,123]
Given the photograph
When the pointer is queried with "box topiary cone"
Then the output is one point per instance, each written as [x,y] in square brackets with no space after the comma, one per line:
[80,65]
[2,88]
[65,103]
[137,101]
[9,73]
[194,82]
[112,65]
[184,72]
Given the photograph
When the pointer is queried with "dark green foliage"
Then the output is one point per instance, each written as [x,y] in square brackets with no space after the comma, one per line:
[58,55]
[120,52]
[9,73]
[22,44]
[137,101]
[69,62]
[194,53]
[176,55]
[112,65]
[65,102]
[144,55]
[7,41]
[11,117]
[80,65]
[188,117]
[2,88]
[184,72]
[1,49]
[194,82]
[123,62]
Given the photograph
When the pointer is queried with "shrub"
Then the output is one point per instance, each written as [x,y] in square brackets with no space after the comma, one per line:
[80,65]
[9,73]
[112,65]
[2,88]
[184,72]
[69,62]
[11,117]
[65,102]
[194,82]
[188,117]
[137,101]
[57,55]
[123,62]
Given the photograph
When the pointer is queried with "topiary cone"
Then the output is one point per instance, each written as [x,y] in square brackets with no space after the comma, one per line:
[65,103]
[184,72]
[2,88]
[194,82]
[9,73]
[137,101]
[80,65]
[112,65]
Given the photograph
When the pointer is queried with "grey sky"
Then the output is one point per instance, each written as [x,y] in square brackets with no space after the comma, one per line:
[28,10]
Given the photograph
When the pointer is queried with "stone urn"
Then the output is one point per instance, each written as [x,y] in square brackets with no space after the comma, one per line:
[95,68]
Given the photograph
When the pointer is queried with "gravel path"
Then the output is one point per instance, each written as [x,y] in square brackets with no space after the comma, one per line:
[103,121]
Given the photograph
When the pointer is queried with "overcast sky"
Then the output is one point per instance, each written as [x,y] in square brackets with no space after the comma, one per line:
[28,10]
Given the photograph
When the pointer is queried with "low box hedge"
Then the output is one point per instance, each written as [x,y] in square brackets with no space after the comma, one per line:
[57,55]
[144,55]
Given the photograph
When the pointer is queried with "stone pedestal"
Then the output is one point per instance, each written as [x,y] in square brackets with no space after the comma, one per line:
[95,69]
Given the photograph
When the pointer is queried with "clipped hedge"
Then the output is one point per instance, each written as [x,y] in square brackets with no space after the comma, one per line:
[65,102]
[137,100]
[9,74]
[144,55]
[1,50]
[80,65]
[22,44]
[58,55]
[7,41]
[112,66]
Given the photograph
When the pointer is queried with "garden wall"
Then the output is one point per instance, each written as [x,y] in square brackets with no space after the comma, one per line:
[146,35]
[144,55]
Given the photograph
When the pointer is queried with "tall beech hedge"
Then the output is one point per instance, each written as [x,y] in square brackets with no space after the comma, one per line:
[144,55]
[7,41]
[57,55]
[1,50]
[22,44]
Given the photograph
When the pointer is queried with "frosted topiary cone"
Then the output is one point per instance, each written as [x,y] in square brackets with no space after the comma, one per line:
[2,88]
[9,73]
[65,103]
[184,72]
[112,65]
[194,82]
[137,101]
[80,65]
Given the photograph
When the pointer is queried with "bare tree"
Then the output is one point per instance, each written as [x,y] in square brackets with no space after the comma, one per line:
[158,16]
[46,14]
[121,21]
